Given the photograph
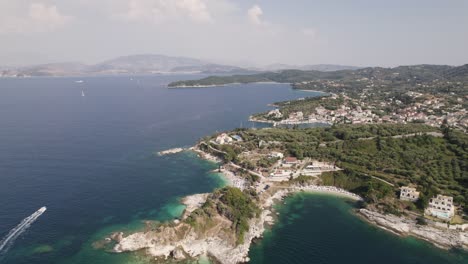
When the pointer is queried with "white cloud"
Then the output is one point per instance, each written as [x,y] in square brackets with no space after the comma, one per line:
[32,18]
[158,11]
[254,14]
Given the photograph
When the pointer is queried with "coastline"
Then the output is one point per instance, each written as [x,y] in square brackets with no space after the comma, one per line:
[197,86]
[283,122]
[452,239]
[193,246]
[167,244]
[402,226]
[224,84]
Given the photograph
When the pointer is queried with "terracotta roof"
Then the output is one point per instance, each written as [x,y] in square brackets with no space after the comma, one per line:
[290,159]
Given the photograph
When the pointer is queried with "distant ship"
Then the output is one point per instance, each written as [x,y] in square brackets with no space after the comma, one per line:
[79,81]
[82,93]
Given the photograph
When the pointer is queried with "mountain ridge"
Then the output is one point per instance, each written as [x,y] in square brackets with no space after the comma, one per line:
[131,64]
[152,64]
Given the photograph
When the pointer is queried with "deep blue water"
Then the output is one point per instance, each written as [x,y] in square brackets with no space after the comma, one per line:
[91,160]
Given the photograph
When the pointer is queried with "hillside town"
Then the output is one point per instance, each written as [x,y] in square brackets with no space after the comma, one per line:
[423,108]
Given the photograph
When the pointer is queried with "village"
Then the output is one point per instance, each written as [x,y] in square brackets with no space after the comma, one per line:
[278,167]
[428,109]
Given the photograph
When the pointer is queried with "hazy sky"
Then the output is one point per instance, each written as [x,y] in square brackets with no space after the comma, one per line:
[358,32]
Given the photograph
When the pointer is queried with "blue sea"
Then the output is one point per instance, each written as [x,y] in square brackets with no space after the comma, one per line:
[91,160]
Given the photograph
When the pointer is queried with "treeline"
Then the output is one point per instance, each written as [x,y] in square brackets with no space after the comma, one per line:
[315,136]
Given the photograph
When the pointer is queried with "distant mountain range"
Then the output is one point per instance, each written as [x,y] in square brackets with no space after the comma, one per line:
[135,64]
[151,64]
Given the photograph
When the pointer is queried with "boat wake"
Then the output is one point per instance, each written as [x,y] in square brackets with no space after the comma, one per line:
[8,240]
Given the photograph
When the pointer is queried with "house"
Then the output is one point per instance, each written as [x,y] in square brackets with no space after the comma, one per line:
[278,155]
[223,139]
[275,113]
[290,161]
[409,194]
[441,207]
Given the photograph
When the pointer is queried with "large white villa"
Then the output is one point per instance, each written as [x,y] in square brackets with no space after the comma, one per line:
[441,207]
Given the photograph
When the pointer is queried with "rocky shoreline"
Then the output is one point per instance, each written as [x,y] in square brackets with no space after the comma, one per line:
[443,238]
[191,245]
[179,241]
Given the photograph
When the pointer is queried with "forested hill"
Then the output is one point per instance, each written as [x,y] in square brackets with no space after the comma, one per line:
[401,74]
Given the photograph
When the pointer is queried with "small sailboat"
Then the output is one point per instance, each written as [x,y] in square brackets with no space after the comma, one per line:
[82,93]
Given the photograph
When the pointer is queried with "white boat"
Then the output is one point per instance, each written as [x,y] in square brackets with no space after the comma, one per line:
[79,81]
[82,93]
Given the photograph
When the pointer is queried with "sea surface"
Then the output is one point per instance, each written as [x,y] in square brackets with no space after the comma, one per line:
[91,160]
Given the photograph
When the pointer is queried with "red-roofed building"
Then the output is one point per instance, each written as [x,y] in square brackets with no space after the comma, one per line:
[290,160]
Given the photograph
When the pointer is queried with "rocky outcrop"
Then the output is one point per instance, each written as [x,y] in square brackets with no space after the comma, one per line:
[170,151]
[444,238]
[181,240]
[166,243]
[192,202]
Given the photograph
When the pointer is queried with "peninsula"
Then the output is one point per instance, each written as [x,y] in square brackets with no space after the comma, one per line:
[367,163]
[402,77]
[396,143]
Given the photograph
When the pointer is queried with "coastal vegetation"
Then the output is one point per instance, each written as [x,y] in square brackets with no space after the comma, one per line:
[366,163]
[376,159]
[429,78]
[233,204]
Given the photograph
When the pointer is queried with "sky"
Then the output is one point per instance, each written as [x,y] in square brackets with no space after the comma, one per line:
[239,32]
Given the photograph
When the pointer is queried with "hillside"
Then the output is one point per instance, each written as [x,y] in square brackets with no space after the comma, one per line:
[402,76]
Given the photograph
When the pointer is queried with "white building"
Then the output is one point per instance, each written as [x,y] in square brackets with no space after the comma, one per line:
[441,207]
[223,139]
[275,113]
[409,194]
[296,116]
[276,155]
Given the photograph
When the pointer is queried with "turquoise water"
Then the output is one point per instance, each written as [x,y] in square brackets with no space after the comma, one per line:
[317,228]
[91,161]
